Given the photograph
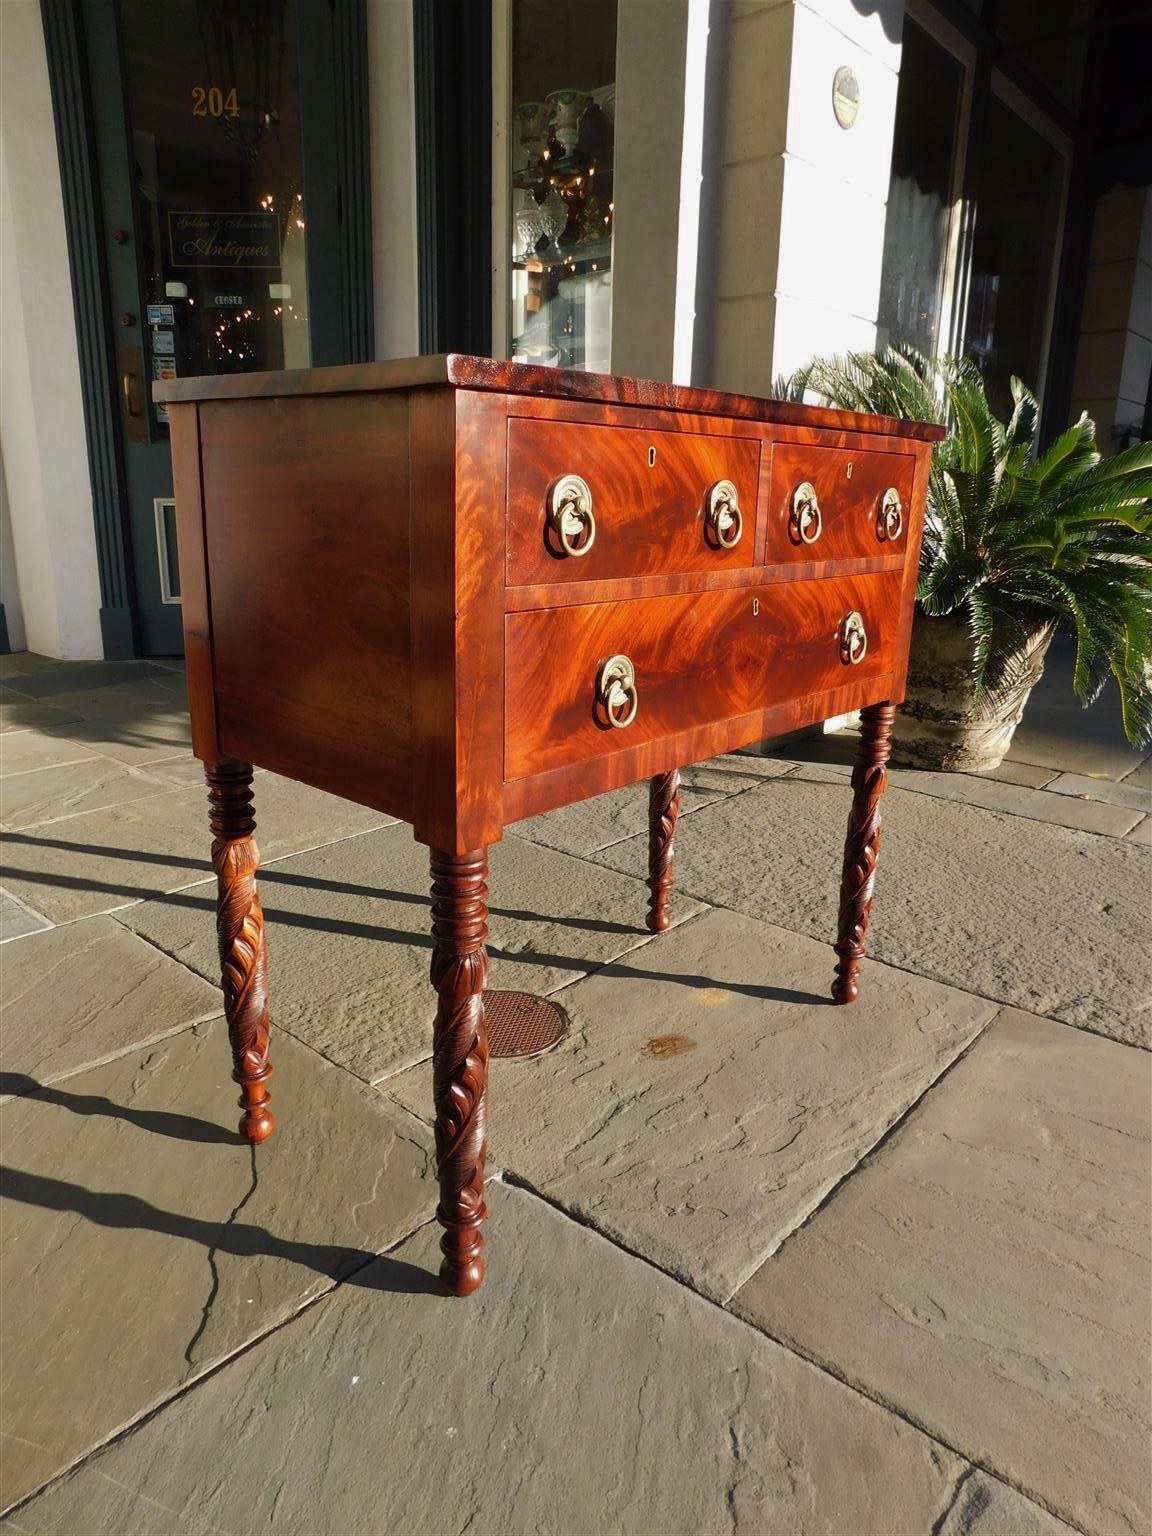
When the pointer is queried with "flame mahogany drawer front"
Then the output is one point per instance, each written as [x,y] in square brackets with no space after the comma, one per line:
[462,592]
[588,502]
[695,659]
[837,503]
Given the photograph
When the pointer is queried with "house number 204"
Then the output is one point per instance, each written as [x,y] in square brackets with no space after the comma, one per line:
[214,101]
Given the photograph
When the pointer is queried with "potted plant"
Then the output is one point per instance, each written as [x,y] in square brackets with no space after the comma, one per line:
[1017,545]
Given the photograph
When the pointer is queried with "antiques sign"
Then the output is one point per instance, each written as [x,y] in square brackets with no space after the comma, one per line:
[224,239]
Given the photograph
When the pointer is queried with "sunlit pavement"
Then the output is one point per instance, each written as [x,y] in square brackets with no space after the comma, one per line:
[753,1261]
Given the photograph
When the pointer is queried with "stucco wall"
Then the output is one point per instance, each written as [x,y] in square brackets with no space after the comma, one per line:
[799,202]
[1115,352]
[41,415]
[393,172]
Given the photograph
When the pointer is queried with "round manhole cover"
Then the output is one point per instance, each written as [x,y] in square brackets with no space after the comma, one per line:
[520,1025]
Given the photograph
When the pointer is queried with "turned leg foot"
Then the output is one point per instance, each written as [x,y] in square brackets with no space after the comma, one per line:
[240,932]
[663,813]
[460,1060]
[869,777]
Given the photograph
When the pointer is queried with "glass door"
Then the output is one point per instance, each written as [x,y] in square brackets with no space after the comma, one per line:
[198,118]
[562,142]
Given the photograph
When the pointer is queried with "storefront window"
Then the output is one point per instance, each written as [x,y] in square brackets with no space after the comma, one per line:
[1050,38]
[214,108]
[562,142]
[920,195]
[1020,181]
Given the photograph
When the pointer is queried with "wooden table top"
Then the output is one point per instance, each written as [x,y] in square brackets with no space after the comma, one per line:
[486,373]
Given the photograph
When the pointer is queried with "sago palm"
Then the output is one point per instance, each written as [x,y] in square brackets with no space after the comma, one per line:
[1015,539]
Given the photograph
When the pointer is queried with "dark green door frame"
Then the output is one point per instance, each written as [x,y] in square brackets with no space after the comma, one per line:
[452,86]
[335,153]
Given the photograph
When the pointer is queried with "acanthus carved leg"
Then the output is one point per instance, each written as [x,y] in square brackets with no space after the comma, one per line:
[240,933]
[663,813]
[869,777]
[460,1060]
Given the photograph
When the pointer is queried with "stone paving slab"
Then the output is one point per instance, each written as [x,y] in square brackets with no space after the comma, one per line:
[1032,775]
[1057,734]
[92,784]
[72,676]
[138,736]
[1032,915]
[349,938]
[578,1391]
[1141,775]
[159,693]
[1141,833]
[593,824]
[1112,818]
[16,662]
[104,859]
[838,749]
[19,713]
[1093,814]
[1129,792]
[710,1093]
[17,919]
[985,1507]
[143,1241]
[77,995]
[28,751]
[986,1271]
[186,771]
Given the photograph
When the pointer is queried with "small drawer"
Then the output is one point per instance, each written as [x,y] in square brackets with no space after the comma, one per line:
[837,503]
[588,502]
[591,679]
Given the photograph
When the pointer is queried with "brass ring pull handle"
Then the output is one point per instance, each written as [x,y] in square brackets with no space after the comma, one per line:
[806,523]
[616,691]
[570,515]
[853,639]
[724,523]
[890,521]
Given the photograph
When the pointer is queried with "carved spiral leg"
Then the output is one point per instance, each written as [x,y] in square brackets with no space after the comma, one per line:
[240,932]
[663,813]
[460,1060]
[869,777]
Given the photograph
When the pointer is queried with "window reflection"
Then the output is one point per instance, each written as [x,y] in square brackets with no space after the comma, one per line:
[214,110]
[1020,178]
[918,222]
[563,142]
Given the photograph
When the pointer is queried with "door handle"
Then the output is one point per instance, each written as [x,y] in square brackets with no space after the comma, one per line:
[130,384]
[133,409]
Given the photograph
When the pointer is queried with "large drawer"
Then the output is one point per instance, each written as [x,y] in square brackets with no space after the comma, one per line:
[694,658]
[837,503]
[651,496]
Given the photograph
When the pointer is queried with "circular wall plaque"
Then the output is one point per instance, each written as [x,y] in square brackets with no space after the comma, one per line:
[845,96]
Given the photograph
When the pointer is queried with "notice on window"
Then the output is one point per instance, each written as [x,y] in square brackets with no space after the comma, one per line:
[163,343]
[224,239]
[160,314]
[163,368]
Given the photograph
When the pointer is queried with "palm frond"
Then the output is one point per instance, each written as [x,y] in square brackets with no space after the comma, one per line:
[1015,539]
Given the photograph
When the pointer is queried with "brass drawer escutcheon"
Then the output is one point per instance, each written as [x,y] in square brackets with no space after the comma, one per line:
[616,691]
[570,515]
[853,639]
[724,522]
[806,523]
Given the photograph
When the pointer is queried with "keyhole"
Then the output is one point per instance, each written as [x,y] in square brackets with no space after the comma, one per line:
[651,458]
[848,472]
[755,607]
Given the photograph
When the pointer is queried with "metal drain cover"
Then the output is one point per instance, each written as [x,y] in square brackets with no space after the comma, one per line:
[520,1025]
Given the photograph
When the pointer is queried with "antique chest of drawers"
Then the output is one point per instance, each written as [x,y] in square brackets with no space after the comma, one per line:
[463,591]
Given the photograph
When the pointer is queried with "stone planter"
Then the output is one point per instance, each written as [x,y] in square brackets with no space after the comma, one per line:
[939,724]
